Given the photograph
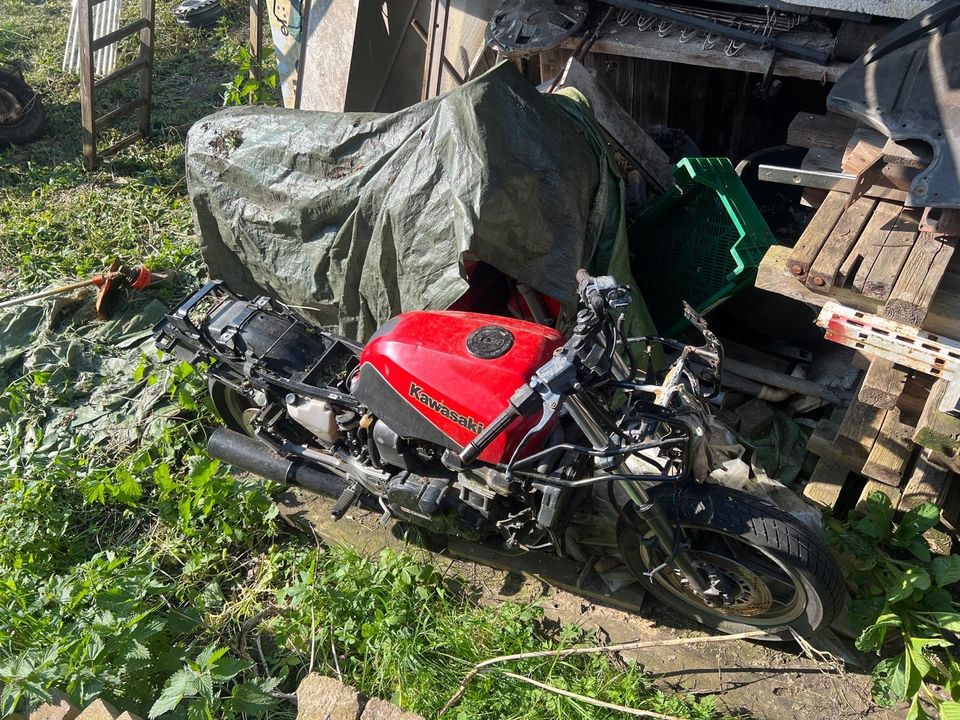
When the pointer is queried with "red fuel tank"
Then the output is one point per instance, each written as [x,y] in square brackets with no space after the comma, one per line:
[443,376]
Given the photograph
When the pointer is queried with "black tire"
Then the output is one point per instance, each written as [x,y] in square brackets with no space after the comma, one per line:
[230,406]
[21,111]
[746,534]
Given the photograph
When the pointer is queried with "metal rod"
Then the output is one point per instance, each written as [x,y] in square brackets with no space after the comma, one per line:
[51,291]
[766,42]
[780,380]
[823,180]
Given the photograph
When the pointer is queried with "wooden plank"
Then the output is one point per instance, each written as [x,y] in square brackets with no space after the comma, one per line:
[821,159]
[773,276]
[917,157]
[551,64]
[851,446]
[124,142]
[815,234]
[117,113]
[88,93]
[856,268]
[825,484]
[938,431]
[135,27]
[892,255]
[630,41]
[811,130]
[883,384]
[860,156]
[943,317]
[436,47]
[123,72]
[823,273]
[864,145]
[874,486]
[611,116]
[913,399]
[861,425]
[145,80]
[891,453]
[928,483]
[918,281]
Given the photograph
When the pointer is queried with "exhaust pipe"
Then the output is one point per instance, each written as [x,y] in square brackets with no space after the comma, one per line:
[252,456]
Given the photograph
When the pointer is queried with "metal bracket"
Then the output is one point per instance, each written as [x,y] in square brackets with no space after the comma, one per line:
[865,179]
[843,182]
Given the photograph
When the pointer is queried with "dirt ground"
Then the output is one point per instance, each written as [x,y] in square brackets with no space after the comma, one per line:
[762,680]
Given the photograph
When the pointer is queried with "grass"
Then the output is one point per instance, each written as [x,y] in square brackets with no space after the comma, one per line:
[133,567]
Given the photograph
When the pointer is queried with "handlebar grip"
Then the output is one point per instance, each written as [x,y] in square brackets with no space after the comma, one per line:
[524,402]
[487,435]
[583,277]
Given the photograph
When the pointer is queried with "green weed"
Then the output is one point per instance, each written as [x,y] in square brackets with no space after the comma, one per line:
[904,595]
[132,566]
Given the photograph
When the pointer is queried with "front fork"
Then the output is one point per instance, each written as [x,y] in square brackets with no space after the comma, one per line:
[646,507]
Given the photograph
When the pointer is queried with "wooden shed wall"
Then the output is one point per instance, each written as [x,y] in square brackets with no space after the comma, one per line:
[716,107]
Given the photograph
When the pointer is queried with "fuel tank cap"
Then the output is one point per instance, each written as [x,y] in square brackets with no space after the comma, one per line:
[489,342]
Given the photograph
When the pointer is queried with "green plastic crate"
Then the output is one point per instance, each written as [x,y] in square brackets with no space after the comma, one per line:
[701,241]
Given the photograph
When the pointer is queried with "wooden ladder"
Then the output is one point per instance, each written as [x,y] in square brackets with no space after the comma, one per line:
[89,86]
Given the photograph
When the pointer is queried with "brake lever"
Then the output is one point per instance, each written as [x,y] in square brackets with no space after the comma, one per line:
[551,382]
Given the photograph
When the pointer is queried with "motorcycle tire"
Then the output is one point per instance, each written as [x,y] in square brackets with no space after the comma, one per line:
[781,574]
[231,406]
[21,112]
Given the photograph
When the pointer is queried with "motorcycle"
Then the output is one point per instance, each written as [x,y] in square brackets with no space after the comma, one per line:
[502,431]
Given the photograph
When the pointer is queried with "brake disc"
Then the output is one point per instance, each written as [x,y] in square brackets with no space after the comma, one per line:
[751,596]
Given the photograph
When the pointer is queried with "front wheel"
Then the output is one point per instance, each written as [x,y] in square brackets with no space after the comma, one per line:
[774,571]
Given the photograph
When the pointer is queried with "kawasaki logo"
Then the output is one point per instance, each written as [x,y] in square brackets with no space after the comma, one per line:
[417,393]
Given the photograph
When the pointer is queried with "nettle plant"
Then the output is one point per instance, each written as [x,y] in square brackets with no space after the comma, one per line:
[904,609]
[244,88]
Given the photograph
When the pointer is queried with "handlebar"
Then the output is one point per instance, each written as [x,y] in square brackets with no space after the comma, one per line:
[598,295]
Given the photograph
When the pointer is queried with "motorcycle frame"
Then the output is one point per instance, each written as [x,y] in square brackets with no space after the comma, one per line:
[568,391]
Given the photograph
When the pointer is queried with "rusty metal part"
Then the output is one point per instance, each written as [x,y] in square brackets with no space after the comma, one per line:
[901,344]
[940,221]
[866,179]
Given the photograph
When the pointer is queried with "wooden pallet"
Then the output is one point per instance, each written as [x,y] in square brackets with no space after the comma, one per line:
[873,254]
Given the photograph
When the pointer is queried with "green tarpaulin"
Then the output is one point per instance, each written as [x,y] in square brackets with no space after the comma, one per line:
[353,218]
